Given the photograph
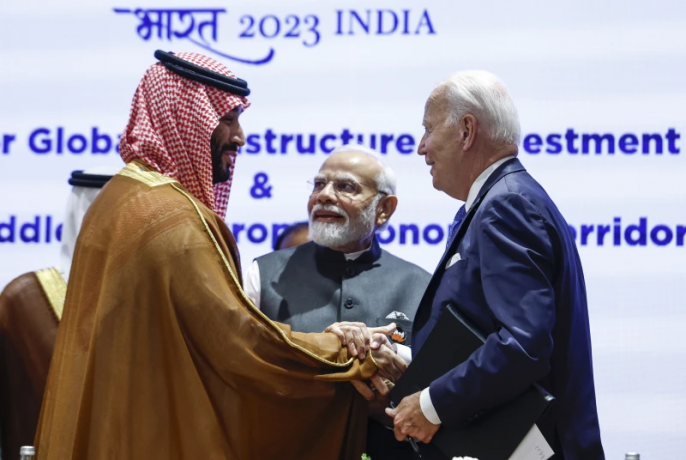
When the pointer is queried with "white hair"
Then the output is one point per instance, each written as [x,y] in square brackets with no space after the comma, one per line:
[483,95]
[385,180]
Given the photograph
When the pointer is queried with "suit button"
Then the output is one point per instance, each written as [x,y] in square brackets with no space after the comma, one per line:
[348,303]
[350,271]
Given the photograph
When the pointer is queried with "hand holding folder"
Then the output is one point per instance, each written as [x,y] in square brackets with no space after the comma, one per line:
[492,436]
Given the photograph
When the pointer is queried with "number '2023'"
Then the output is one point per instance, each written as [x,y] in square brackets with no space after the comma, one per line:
[270,26]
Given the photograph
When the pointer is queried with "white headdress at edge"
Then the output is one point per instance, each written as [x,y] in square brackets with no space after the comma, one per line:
[78,203]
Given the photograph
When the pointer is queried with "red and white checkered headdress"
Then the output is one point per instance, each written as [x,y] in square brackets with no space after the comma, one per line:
[171,123]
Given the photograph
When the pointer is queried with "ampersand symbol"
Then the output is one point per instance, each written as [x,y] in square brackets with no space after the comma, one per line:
[260,189]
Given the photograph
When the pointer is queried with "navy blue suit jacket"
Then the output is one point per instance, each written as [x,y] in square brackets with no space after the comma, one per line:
[520,281]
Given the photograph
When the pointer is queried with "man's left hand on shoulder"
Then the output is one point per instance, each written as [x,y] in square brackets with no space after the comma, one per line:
[409,420]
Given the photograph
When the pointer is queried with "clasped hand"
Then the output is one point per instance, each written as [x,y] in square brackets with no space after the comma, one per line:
[408,418]
[391,368]
[359,338]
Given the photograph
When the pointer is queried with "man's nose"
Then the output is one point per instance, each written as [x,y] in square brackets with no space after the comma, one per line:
[239,137]
[327,194]
[421,150]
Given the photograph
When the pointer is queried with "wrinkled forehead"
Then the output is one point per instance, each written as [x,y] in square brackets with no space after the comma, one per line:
[437,103]
[350,165]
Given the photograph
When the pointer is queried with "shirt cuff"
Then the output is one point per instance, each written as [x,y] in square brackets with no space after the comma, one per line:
[428,407]
[404,353]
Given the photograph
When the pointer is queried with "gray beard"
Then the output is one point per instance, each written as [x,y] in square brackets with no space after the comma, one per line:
[334,235]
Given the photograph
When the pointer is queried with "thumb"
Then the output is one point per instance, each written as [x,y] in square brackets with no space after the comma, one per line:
[378,340]
[391,412]
[385,330]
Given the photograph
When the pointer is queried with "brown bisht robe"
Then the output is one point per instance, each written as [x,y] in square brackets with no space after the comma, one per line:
[160,354]
[30,308]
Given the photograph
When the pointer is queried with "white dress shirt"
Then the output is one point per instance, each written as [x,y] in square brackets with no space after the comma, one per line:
[425,398]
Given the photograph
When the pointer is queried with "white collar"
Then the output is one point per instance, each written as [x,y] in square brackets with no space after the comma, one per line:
[481,180]
[355,255]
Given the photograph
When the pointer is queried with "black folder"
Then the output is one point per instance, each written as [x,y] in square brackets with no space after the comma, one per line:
[493,435]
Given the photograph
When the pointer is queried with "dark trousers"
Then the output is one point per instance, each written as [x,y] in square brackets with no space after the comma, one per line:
[429,452]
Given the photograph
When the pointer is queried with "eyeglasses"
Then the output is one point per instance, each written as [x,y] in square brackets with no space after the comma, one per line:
[342,187]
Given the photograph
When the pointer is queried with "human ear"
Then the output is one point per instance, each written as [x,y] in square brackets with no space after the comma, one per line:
[385,209]
[469,127]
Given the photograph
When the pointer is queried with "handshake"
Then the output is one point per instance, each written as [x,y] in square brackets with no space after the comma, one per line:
[408,418]
[362,341]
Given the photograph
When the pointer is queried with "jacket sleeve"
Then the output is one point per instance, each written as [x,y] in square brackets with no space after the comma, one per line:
[516,262]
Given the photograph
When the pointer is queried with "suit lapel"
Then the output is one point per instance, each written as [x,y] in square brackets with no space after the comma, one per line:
[506,168]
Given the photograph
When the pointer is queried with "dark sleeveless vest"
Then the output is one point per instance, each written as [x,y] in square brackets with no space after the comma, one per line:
[311,287]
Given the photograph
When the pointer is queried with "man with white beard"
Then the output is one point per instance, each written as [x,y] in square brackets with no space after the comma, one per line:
[342,276]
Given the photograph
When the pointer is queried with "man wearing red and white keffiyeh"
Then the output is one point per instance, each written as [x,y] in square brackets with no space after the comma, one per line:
[172,121]
[160,354]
